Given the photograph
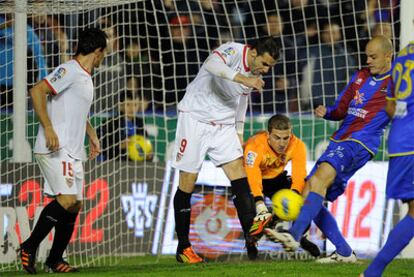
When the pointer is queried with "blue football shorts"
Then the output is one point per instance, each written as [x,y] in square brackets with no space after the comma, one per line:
[346,157]
[400,178]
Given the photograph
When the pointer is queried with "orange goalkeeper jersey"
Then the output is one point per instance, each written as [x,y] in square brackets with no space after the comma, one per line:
[261,162]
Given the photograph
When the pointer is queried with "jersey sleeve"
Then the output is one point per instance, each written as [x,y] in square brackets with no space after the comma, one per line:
[228,53]
[299,166]
[252,160]
[221,60]
[217,67]
[338,111]
[59,80]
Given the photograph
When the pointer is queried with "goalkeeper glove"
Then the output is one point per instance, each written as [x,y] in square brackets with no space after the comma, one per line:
[262,218]
[262,212]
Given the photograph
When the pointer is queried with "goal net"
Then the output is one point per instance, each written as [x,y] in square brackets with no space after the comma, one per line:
[155,49]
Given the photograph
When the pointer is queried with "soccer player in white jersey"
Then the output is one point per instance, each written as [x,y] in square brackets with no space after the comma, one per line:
[62,101]
[210,121]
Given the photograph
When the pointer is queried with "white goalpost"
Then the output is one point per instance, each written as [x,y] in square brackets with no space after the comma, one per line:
[155,49]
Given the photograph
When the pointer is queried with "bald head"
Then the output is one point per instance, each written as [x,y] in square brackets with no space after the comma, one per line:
[379,55]
[383,43]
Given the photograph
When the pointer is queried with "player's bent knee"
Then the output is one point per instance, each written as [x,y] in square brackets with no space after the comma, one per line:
[326,174]
[234,170]
[187,181]
[322,179]
[317,185]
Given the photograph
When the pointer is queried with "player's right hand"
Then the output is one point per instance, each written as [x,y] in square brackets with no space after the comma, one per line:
[320,111]
[254,82]
[52,140]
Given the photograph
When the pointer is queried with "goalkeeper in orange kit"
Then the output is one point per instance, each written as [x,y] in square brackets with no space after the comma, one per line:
[266,155]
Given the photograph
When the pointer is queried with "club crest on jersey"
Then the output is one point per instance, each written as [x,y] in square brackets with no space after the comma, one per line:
[69,182]
[358,81]
[250,158]
[359,98]
[229,51]
[58,75]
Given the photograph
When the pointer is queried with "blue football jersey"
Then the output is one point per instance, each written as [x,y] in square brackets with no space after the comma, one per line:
[401,138]
[361,106]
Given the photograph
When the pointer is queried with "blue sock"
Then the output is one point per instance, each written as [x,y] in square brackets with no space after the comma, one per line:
[397,240]
[327,224]
[312,206]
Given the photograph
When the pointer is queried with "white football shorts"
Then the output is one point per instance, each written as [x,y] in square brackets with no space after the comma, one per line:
[194,139]
[63,174]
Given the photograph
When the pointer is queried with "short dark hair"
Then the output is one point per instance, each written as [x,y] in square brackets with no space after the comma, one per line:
[271,45]
[89,40]
[279,122]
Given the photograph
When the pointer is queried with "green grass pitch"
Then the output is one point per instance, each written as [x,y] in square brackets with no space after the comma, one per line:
[167,266]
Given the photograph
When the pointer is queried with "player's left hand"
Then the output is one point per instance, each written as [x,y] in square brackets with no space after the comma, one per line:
[95,147]
[52,140]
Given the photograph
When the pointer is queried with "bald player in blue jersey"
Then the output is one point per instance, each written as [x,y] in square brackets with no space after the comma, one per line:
[400,178]
[361,107]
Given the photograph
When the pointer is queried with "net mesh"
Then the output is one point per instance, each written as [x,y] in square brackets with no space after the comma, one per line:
[155,49]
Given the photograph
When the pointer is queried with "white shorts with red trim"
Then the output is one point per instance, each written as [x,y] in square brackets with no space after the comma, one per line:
[195,139]
[63,174]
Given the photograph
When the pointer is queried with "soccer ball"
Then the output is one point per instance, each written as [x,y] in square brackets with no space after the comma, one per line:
[287,204]
[139,148]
